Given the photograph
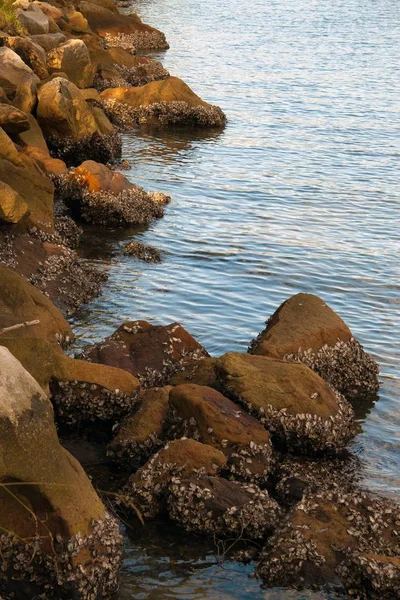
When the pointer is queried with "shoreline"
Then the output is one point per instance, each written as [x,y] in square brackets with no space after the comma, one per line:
[121,387]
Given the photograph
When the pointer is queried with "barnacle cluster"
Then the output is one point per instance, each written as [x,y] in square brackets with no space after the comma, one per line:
[132,76]
[159,377]
[62,573]
[67,233]
[370,577]
[138,40]
[346,366]
[100,148]
[7,252]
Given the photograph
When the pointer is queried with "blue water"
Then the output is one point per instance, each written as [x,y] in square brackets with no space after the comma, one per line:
[300,192]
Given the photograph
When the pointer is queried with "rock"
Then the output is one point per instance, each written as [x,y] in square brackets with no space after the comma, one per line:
[309,545]
[49,10]
[49,41]
[371,576]
[26,96]
[24,175]
[31,53]
[206,415]
[166,102]
[147,488]
[21,302]
[12,120]
[56,534]
[51,166]
[99,195]
[306,329]
[199,373]
[12,71]
[125,30]
[140,435]
[296,405]
[215,506]
[72,58]
[142,252]
[83,392]
[33,19]
[71,126]
[3,97]
[12,206]
[91,95]
[150,352]
[33,137]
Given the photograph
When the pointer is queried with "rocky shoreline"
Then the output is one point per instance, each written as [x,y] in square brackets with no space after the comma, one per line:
[250,447]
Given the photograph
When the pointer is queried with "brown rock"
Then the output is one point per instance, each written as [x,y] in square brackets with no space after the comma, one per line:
[147,488]
[31,53]
[141,434]
[293,402]
[200,373]
[13,120]
[48,41]
[206,415]
[33,19]
[33,137]
[150,352]
[97,177]
[12,207]
[72,58]
[26,95]
[371,576]
[12,71]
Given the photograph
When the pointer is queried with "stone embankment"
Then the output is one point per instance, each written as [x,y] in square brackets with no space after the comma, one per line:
[247,446]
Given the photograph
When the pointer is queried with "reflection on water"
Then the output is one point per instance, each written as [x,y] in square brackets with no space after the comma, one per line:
[300,192]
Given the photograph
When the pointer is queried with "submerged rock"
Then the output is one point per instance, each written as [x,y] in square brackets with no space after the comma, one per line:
[211,505]
[140,435]
[296,405]
[306,329]
[153,353]
[159,103]
[57,539]
[206,415]
[142,252]
[147,488]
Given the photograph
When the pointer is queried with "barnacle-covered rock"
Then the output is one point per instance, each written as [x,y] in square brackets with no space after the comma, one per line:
[296,405]
[309,545]
[166,102]
[82,391]
[57,540]
[211,505]
[199,373]
[148,487]
[205,414]
[153,353]
[371,576]
[143,252]
[140,435]
[304,328]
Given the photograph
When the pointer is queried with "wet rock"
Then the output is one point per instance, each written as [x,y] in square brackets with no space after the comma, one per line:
[296,405]
[371,576]
[31,53]
[160,103]
[33,19]
[83,392]
[122,29]
[13,120]
[72,126]
[24,176]
[56,535]
[215,506]
[306,329]
[12,207]
[25,98]
[72,58]
[140,435]
[206,415]
[21,302]
[12,71]
[150,352]
[148,487]
[142,252]
[312,541]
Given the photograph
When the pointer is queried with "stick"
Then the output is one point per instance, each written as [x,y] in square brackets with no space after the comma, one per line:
[19,325]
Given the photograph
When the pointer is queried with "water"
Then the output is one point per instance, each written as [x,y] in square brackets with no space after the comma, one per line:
[300,192]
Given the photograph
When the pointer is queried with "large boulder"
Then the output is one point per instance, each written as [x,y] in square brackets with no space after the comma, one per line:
[13,120]
[306,329]
[31,53]
[125,30]
[150,352]
[147,489]
[72,58]
[314,538]
[48,41]
[165,102]
[25,98]
[23,174]
[296,405]
[140,435]
[205,414]
[56,533]
[21,302]
[74,129]
[12,207]
[33,19]
[12,71]
[215,506]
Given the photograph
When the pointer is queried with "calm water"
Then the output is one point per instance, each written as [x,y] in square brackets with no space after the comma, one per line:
[300,192]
